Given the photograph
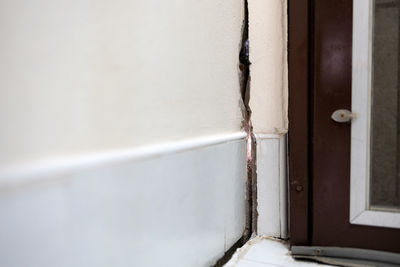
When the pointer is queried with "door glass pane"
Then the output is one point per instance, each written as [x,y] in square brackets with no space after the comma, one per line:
[385,116]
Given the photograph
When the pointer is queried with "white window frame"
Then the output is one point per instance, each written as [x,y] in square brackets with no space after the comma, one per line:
[360,212]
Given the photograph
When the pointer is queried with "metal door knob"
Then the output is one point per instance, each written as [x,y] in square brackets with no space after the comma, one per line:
[343,115]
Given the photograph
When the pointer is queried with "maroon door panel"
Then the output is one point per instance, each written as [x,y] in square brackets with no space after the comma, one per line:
[327,152]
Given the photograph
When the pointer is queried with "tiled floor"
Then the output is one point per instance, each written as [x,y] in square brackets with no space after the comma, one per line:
[262,252]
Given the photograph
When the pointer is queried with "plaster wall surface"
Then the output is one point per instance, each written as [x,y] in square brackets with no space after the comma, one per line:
[83,80]
[121,140]
[269,104]
[85,76]
[268,69]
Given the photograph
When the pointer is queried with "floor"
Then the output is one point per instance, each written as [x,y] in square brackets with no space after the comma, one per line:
[264,251]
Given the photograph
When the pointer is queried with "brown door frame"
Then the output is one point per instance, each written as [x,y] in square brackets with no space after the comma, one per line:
[299,113]
[320,46]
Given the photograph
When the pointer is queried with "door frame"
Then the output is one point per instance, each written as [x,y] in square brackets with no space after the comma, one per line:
[299,47]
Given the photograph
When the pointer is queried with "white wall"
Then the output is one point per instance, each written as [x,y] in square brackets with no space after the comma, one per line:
[90,83]
[268,69]
[85,76]
[121,140]
[269,104]
[178,205]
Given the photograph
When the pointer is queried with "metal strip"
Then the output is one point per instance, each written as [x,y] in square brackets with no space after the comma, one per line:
[346,256]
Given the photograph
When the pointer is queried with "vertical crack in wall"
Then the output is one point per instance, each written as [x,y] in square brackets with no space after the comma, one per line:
[244,79]
[251,212]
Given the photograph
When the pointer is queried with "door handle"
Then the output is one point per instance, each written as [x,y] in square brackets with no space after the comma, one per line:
[343,115]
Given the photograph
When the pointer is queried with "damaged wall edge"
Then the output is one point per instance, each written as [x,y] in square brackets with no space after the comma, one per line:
[252,211]
[251,185]
[244,66]
[264,91]
[269,113]
[263,81]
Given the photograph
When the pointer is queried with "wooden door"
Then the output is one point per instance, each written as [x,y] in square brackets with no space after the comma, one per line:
[331,170]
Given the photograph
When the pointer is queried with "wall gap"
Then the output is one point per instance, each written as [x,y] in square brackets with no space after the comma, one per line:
[245,79]
[251,198]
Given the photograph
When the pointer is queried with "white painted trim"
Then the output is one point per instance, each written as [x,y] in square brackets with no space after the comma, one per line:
[283,189]
[360,212]
[361,87]
[267,136]
[378,218]
[271,185]
[20,173]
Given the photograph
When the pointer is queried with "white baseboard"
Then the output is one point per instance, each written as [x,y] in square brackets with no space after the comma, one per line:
[271,185]
[180,205]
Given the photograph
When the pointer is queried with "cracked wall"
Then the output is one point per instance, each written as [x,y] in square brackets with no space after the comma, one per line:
[268,103]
